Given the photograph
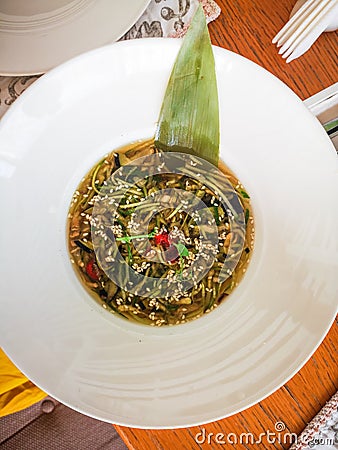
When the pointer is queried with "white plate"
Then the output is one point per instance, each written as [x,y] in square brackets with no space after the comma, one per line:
[36,36]
[219,364]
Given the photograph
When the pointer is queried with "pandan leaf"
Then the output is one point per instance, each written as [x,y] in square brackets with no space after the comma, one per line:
[189,117]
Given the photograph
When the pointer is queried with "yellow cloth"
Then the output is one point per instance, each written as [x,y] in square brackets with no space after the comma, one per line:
[16,391]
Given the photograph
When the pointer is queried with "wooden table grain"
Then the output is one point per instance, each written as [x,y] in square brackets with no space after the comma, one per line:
[247,27]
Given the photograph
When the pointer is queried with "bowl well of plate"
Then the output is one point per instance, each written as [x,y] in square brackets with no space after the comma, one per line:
[207,369]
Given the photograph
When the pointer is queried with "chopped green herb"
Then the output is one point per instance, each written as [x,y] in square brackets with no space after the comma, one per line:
[247,215]
[244,194]
[216,215]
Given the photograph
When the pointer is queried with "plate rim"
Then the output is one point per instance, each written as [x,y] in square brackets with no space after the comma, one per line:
[8,114]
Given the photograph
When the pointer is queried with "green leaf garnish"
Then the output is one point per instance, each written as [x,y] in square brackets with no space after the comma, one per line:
[182,249]
[189,117]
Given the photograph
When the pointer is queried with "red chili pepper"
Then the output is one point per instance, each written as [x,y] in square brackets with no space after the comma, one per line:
[162,239]
[92,270]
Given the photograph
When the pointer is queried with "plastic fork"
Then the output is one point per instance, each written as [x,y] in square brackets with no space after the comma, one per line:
[301,31]
[305,12]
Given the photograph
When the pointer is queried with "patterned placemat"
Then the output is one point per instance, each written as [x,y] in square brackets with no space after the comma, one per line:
[322,432]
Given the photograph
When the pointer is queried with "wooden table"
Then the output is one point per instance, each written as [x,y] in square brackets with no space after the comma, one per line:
[247,27]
